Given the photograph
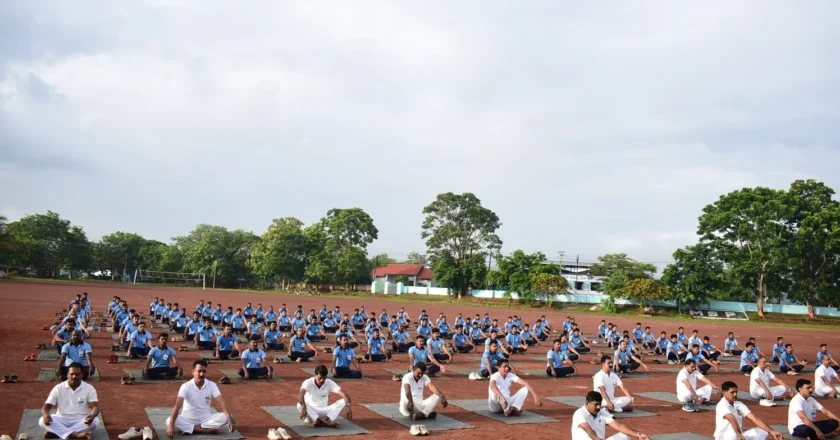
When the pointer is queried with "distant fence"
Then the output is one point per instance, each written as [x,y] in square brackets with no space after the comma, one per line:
[587,297]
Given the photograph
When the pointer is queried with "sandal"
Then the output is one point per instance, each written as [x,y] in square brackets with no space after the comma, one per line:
[125,380]
[396,377]
[6,379]
[13,379]
[224,380]
[278,360]
[46,327]
[183,348]
[30,358]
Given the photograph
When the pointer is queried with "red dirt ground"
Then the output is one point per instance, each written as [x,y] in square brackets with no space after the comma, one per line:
[30,305]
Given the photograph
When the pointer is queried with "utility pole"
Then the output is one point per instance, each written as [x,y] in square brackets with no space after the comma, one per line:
[214,274]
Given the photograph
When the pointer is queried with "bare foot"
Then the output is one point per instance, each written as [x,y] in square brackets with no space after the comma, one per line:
[80,435]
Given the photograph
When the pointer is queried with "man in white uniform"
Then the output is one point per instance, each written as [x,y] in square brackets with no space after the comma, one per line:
[313,401]
[412,403]
[687,391]
[78,407]
[824,379]
[729,418]
[760,387]
[191,413]
[605,381]
[591,420]
[499,399]
[802,412]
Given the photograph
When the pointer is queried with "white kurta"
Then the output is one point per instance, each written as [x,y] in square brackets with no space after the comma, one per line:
[196,410]
[317,400]
[72,408]
[421,405]
[684,394]
[516,401]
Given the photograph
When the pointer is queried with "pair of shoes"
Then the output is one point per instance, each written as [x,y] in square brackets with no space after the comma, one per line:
[134,433]
[657,361]
[672,362]
[10,379]
[690,407]
[278,434]
[397,377]
[766,402]
[747,374]
[116,347]
[46,327]
[224,380]
[30,358]
[418,430]
[128,380]
[327,350]
[475,376]
[278,360]
[113,358]
[792,373]
[183,348]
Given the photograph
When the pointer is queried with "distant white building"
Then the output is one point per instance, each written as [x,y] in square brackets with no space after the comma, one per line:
[416,274]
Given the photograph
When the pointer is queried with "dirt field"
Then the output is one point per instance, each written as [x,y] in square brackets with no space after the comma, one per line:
[27,306]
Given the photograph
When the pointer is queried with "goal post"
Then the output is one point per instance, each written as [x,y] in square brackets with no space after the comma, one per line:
[176,278]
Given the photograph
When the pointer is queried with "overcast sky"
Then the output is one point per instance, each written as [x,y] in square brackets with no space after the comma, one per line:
[587,130]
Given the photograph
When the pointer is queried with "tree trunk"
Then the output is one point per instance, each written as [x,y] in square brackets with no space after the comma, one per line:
[812,295]
[460,294]
[760,296]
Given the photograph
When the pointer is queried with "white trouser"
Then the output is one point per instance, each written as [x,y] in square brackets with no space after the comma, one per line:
[516,401]
[187,425]
[704,392]
[331,412]
[424,406]
[750,434]
[824,390]
[618,402]
[63,426]
[777,391]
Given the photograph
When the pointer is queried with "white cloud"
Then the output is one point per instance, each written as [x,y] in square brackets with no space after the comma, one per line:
[587,130]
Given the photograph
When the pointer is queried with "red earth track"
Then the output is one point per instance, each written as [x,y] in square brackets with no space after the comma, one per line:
[28,306]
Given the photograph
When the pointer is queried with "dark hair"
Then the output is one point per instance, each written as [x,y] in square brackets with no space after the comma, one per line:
[728,385]
[420,366]
[695,346]
[750,344]
[604,359]
[788,345]
[689,361]
[801,383]
[673,335]
[779,338]
[74,365]
[201,362]
[255,338]
[594,396]
[501,362]
[321,370]
[163,335]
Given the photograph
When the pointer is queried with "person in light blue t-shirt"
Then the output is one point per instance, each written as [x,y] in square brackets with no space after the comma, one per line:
[254,363]
[731,347]
[489,360]
[254,329]
[205,339]
[300,350]
[463,342]
[749,359]
[558,363]
[227,345]
[140,342]
[273,338]
[421,353]
[162,363]
[376,348]
[345,356]
[76,351]
[438,348]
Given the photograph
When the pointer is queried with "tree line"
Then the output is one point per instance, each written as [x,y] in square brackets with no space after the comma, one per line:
[755,244]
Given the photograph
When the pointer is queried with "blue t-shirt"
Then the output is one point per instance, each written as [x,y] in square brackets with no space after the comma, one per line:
[194,327]
[226,342]
[662,342]
[323,314]
[434,345]
[459,321]
[424,331]
[140,339]
[459,339]
[271,335]
[260,313]
[161,309]
[788,358]
[419,355]
[284,321]
[270,317]
[556,358]
[820,355]
[513,340]
[182,321]
[675,347]
[218,315]
[623,356]
[682,337]
[64,334]
[343,356]
[129,328]
[254,327]
[527,335]
[76,353]
[313,329]
[576,341]
[207,334]
[252,358]
[444,327]
[160,358]
[299,344]
[696,357]
[475,332]
[493,358]
[248,311]
[753,357]
[237,322]
[298,322]
[778,350]
[648,337]
[376,345]
[357,319]
[401,337]
[638,333]
[330,323]
[730,344]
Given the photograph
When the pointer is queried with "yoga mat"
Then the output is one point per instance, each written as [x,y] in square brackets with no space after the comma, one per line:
[48,356]
[311,372]
[479,406]
[211,357]
[29,425]
[236,378]
[783,429]
[290,416]
[745,396]
[578,401]
[440,423]
[404,371]
[679,436]
[138,378]
[158,418]
[541,373]
[48,375]
[670,398]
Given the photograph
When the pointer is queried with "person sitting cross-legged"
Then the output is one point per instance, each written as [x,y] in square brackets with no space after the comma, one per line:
[703,364]
[140,342]
[515,343]
[591,421]
[760,387]
[253,328]
[802,414]
[412,403]
[500,400]
[191,413]
[64,335]
[376,351]
[824,353]
[730,415]
[159,362]
[273,338]
[687,391]
[77,351]
[227,345]
[748,359]
[824,379]
[421,353]
[558,364]
[254,364]
[605,381]
[490,360]
[300,350]
[78,408]
[788,362]
[438,348]
[313,400]
[344,357]
[625,361]
[206,337]
[462,341]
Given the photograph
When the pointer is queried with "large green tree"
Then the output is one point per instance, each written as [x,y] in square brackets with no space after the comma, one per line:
[157,256]
[747,229]
[281,252]
[695,275]
[516,273]
[210,248]
[337,251]
[417,258]
[47,243]
[117,251]
[813,242]
[460,234]
[618,269]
